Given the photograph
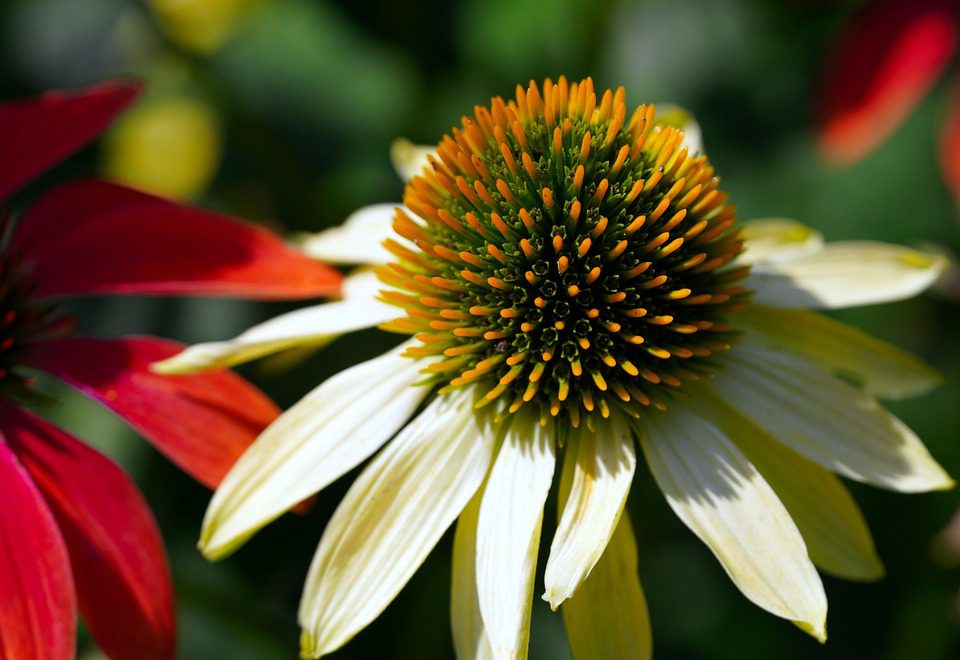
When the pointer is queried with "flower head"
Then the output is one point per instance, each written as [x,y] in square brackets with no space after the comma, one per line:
[569,256]
[576,286]
[74,531]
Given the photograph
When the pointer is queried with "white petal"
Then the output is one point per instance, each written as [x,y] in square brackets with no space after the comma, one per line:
[358,240]
[883,369]
[777,240]
[607,617]
[602,465]
[721,497]
[310,326]
[470,638]
[508,533]
[362,283]
[327,433]
[391,518]
[408,158]
[845,275]
[826,420]
[837,537]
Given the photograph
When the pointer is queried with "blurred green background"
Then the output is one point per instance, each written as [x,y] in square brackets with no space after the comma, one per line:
[283,111]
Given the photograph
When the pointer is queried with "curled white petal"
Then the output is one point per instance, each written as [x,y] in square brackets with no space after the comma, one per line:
[715,490]
[602,471]
[775,240]
[883,369]
[508,534]
[470,639]
[845,274]
[837,537]
[391,518]
[310,326]
[827,421]
[358,240]
[327,433]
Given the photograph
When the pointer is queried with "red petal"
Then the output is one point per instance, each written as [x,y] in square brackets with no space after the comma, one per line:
[98,237]
[883,65]
[119,565]
[950,141]
[201,422]
[37,133]
[37,608]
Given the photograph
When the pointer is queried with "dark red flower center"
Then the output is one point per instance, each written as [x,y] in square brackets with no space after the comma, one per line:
[25,321]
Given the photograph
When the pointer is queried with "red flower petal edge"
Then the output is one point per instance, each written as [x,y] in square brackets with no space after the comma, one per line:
[37,607]
[38,133]
[119,565]
[883,65]
[201,422]
[950,141]
[91,237]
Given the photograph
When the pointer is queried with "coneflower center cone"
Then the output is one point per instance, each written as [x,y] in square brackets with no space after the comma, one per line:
[566,256]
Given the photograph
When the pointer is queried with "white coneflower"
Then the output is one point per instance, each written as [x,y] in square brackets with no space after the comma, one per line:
[575,284]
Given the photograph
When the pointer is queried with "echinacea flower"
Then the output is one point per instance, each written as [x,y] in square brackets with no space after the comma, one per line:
[575,285]
[75,533]
[882,65]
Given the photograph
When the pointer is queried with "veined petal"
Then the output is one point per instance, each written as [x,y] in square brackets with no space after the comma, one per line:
[776,240]
[715,490]
[91,237]
[310,326]
[201,422]
[845,274]
[38,609]
[607,616]
[409,159]
[837,537]
[119,565]
[827,421]
[44,130]
[359,240]
[470,639]
[326,434]
[885,370]
[391,518]
[603,463]
[885,62]
[508,533]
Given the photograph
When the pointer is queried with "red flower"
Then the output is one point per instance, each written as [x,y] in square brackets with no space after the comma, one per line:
[882,65]
[74,530]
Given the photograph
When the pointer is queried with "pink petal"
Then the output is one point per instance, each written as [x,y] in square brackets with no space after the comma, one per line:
[37,608]
[950,141]
[883,65]
[201,422]
[97,237]
[119,565]
[37,133]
